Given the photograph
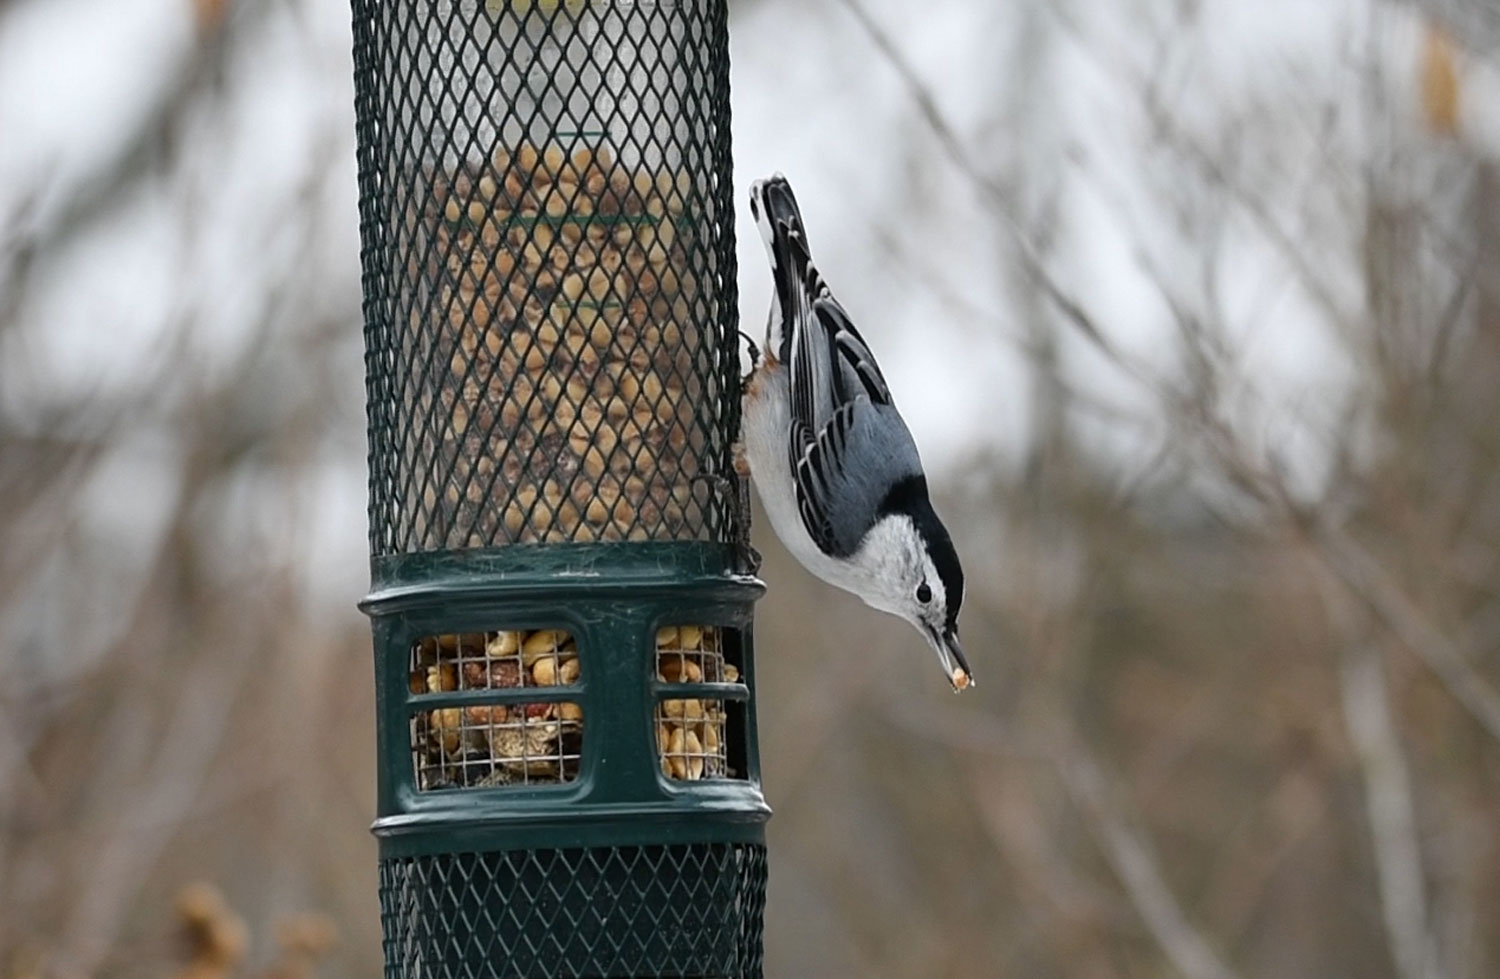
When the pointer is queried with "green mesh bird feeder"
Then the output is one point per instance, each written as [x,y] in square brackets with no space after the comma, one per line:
[569,779]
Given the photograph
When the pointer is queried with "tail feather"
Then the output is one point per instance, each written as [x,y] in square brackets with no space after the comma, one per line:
[780,221]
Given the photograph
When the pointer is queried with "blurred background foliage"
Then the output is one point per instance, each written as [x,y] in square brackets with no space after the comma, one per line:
[1193,305]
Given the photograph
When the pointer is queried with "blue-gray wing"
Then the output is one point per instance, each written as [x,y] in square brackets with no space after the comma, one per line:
[847,469]
[848,444]
[830,362]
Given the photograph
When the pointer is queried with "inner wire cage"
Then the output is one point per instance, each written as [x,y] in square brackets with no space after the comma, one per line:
[476,740]
[694,733]
[549,271]
[482,744]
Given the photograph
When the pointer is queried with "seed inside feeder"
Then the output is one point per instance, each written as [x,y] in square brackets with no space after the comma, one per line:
[690,732]
[570,315]
[539,743]
[484,745]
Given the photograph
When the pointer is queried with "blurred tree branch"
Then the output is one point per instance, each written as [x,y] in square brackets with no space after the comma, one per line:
[1203,431]
[147,152]
[1190,409]
[1126,847]
[1138,869]
[1477,22]
[1388,801]
[146,693]
[1360,573]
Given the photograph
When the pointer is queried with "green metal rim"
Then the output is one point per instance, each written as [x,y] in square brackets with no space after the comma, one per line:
[417,837]
[642,570]
[613,598]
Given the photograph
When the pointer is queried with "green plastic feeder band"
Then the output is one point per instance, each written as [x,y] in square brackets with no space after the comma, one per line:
[569,779]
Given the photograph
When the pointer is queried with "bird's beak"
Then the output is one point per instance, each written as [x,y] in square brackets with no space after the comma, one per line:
[951,655]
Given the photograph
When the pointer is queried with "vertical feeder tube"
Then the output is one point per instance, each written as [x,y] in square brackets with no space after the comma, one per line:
[569,779]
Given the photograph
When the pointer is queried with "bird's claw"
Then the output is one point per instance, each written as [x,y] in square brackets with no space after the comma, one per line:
[747,558]
[740,463]
[754,358]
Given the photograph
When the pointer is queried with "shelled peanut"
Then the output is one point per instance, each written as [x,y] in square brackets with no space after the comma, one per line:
[540,742]
[567,307]
[690,732]
[496,744]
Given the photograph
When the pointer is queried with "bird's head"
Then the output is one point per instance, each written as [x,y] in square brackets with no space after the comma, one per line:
[916,574]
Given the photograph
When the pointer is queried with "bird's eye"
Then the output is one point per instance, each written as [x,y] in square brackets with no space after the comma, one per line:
[924,594]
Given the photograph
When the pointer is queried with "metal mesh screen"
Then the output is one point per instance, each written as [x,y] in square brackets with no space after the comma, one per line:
[476,739]
[548,273]
[638,911]
[692,733]
[546,209]
[481,743]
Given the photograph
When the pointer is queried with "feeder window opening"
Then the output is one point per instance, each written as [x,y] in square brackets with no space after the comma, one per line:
[475,741]
[698,737]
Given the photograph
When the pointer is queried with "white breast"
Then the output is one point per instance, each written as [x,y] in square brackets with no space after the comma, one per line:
[767,424]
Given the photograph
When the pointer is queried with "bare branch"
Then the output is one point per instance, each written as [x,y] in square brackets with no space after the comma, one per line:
[1131,856]
[1388,803]
[1476,21]
[1393,607]
[1189,411]
[993,191]
[1395,850]
[1125,847]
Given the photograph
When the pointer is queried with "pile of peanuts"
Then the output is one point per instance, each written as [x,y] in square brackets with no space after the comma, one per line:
[496,744]
[540,743]
[690,733]
[567,314]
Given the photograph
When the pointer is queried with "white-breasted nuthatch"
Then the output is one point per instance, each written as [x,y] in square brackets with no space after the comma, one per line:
[831,458]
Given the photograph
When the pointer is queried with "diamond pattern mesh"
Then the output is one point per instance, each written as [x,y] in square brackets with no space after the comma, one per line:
[547,219]
[548,277]
[668,911]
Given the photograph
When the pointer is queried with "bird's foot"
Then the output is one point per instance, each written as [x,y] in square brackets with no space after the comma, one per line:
[754,357]
[750,556]
[747,558]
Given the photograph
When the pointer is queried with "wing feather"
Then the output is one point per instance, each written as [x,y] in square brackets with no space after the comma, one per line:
[847,443]
[819,475]
[852,351]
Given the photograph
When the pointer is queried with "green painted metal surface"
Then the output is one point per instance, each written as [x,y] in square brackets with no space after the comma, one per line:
[613,598]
